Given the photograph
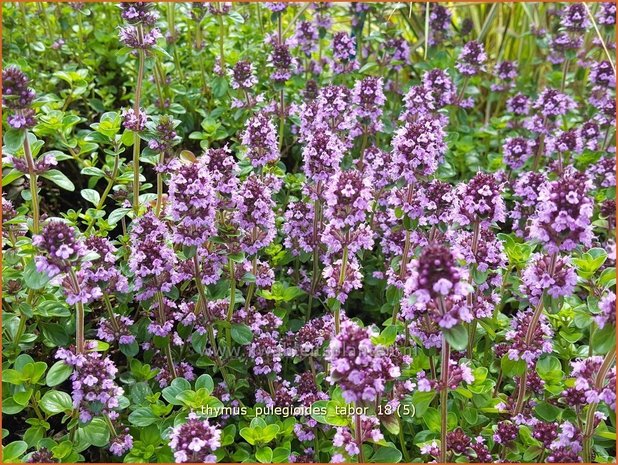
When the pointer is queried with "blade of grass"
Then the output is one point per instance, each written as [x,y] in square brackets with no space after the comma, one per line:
[488,20]
[596,28]
[426,30]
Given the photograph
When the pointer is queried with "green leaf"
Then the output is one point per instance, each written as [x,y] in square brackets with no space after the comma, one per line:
[249,435]
[386,455]
[12,377]
[13,139]
[421,401]
[547,411]
[281,455]
[10,177]
[116,215]
[96,433]
[264,454]
[590,262]
[91,196]
[58,373]
[171,392]
[269,433]
[333,416]
[33,279]
[52,309]
[143,417]
[457,337]
[13,451]
[219,86]
[242,334]
[54,402]
[604,340]
[432,419]
[236,17]
[59,179]
[511,367]
[205,382]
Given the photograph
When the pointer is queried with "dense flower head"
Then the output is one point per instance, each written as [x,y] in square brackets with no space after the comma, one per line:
[522,348]
[334,108]
[506,71]
[348,198]
[298,227]
[266,350]
[369,99]
[243,76]
[138,12]
[255,213]
[564,210]
[260,139]
[335,286]
[152,259]
[313,334]
[506,432]
[117,330]
[369,431]
[282,61]
[17,96]
[399,50]
[439,197]
[480,200]
[361,368]
[586,374]
[219,8]
[437,287]
[526,188]
[195,441]
[344,47]
[472,58]
[165,136]
[440,21]
[15,91]
[306,37]
[102,272]
[419,147]
[519,104]
[575,18]
[545,432]
[551,103]
[40,165]
[561,44]
[134,121]
[61,248]
[516,151]
[131,37]
[276,7]
[489,255]
[606,14]
[607,305]
[440,86]
[590,134]
[457,373]
[567,447]
[378,165]
[568,141]
[42,455]
[121,444]
[552,275]
[222,168]
[191,203]
[95,391]
[322,155]
[602,74]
